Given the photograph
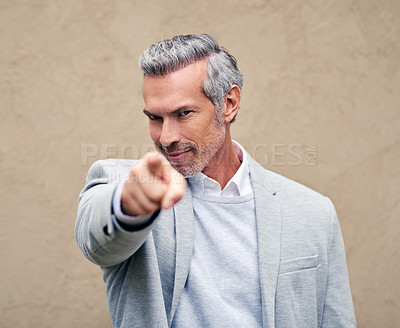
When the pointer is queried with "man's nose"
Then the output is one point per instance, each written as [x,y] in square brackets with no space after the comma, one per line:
[169,133]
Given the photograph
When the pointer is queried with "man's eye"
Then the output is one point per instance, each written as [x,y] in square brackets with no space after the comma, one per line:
[185,112]
[153,117]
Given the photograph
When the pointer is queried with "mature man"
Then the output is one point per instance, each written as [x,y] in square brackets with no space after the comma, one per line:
[203,236]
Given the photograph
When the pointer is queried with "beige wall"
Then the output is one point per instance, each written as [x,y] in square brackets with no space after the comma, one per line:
[322,78]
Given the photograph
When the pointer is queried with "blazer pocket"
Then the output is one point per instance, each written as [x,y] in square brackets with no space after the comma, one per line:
[298,264]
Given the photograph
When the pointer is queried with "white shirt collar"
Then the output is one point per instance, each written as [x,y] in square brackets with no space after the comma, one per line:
[238,185]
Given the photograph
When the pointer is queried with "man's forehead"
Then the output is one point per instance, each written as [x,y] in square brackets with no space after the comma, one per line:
[179,89]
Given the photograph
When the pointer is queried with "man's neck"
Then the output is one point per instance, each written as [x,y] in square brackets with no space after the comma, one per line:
[224,164]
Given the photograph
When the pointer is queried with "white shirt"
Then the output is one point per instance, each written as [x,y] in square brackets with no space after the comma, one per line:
[238,185]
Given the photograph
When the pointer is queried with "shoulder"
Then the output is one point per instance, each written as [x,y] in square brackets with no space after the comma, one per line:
[109,170]
[292,189]
[295,198]
[275,183]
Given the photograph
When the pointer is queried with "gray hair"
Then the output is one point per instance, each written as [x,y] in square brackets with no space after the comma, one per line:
[168,56]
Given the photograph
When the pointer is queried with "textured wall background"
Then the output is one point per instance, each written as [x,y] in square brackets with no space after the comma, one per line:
[322,79]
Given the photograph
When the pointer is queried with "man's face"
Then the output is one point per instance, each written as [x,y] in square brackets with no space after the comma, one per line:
[183,123]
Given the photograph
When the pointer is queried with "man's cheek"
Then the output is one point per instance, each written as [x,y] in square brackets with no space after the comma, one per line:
[154,135]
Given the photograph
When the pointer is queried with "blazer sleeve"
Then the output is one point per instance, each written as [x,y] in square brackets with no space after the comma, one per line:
[338,307]
[100,236]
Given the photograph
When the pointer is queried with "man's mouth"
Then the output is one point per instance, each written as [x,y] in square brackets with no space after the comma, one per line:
[176,156]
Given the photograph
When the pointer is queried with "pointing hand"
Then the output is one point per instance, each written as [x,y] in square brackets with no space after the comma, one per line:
[152,183]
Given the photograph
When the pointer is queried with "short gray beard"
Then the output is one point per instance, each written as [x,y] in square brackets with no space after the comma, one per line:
[206,153]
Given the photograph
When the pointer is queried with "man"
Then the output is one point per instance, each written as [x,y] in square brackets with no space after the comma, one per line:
[203,236]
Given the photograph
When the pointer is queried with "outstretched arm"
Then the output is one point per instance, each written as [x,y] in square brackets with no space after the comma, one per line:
[152,185]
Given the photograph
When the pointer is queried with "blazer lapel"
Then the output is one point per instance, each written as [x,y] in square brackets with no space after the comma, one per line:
[268,214]
[184,239]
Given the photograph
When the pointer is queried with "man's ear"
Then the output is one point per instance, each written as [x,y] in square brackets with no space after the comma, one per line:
[231,103]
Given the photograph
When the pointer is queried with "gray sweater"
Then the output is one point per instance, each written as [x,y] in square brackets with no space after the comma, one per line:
[223,286]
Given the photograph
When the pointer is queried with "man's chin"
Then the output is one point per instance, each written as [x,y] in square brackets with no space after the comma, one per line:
[184,170]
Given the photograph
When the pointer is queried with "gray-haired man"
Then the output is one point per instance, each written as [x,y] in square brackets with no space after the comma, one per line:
[203,236]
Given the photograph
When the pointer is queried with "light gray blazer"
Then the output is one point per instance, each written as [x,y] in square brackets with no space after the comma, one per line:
[303,273]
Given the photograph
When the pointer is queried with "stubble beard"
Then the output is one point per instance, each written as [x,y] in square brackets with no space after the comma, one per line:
[202,154]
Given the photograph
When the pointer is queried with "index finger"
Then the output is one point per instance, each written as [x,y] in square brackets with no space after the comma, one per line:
[160,167]
[176,189]
[155,164]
